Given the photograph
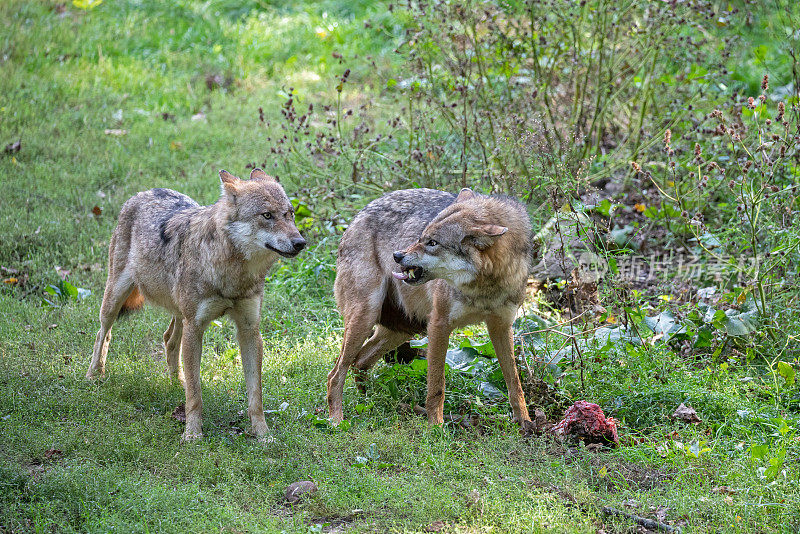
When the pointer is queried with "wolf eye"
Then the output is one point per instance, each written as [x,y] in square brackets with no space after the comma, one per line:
[431,243]
[267,215]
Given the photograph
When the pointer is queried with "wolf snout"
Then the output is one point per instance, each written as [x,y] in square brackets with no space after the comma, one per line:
[298,243]
[398,256]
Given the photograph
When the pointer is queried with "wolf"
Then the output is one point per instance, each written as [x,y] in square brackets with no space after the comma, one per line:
[422,260]
[200,262]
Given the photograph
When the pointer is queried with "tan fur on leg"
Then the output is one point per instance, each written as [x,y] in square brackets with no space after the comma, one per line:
[502,336]
[172,348]
[247,316]
[438,337]
[356,331]
[191,350]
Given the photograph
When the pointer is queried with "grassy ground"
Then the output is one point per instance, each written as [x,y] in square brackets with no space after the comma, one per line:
[81,456]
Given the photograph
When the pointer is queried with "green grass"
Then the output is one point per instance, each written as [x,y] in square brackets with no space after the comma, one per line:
[121,466]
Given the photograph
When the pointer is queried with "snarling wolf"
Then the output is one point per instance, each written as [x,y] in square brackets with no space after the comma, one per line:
[200,262]
[421,260]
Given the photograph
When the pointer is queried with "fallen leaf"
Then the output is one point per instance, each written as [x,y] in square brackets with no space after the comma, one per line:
[116,132]
[10,281]
[14,147]
[436,526]
[200,116]
[179,413]
[725,490]
[639,207]
[175,145]
[686,413]
[52,326]
[97,211]
[100,194]
[62,273]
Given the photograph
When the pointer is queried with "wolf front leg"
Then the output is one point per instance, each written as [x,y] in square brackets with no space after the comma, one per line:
[502,336]
[438,337]
[247,316]
[191,350]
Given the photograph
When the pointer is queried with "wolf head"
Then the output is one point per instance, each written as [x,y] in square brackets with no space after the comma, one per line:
[457,244]
[260,216]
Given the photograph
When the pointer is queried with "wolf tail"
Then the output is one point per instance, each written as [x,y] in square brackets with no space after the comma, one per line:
[134,302]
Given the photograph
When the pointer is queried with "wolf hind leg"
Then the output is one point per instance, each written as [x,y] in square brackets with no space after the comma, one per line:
[172,347]
[117,291]
[381,342]
[357,328]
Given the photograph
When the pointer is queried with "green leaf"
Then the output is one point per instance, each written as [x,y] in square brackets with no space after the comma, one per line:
[759,452]
[760,53]
[663,323]
[86,4]
[463,359]
[741,323]
[419,343]
[486,348]
[787,372]
[605,208]
[52,290]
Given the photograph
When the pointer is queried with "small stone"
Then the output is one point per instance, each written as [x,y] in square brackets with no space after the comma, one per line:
[686,413]
[298,490]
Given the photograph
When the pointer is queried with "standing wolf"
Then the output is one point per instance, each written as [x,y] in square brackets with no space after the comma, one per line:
[200,262]
[423,260]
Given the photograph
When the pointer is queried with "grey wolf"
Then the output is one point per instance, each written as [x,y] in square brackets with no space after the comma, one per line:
[422,260]
[200,262]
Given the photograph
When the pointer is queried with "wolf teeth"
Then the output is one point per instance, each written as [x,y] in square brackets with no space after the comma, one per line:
[411,274]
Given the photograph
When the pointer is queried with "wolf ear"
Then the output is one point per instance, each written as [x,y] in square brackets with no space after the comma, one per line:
[465,194]
[229,182]
[483,236]
[259,174]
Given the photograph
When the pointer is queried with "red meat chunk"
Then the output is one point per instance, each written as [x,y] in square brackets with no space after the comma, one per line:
[586,421]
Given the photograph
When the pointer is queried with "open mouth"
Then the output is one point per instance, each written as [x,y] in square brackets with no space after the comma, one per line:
[282,253]
[410,275]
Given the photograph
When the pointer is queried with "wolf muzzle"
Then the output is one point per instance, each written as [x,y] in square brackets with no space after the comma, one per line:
[410,274]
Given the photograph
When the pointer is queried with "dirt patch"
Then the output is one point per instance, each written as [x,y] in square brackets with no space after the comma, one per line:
[635,476]
[37,467]
[618,474]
